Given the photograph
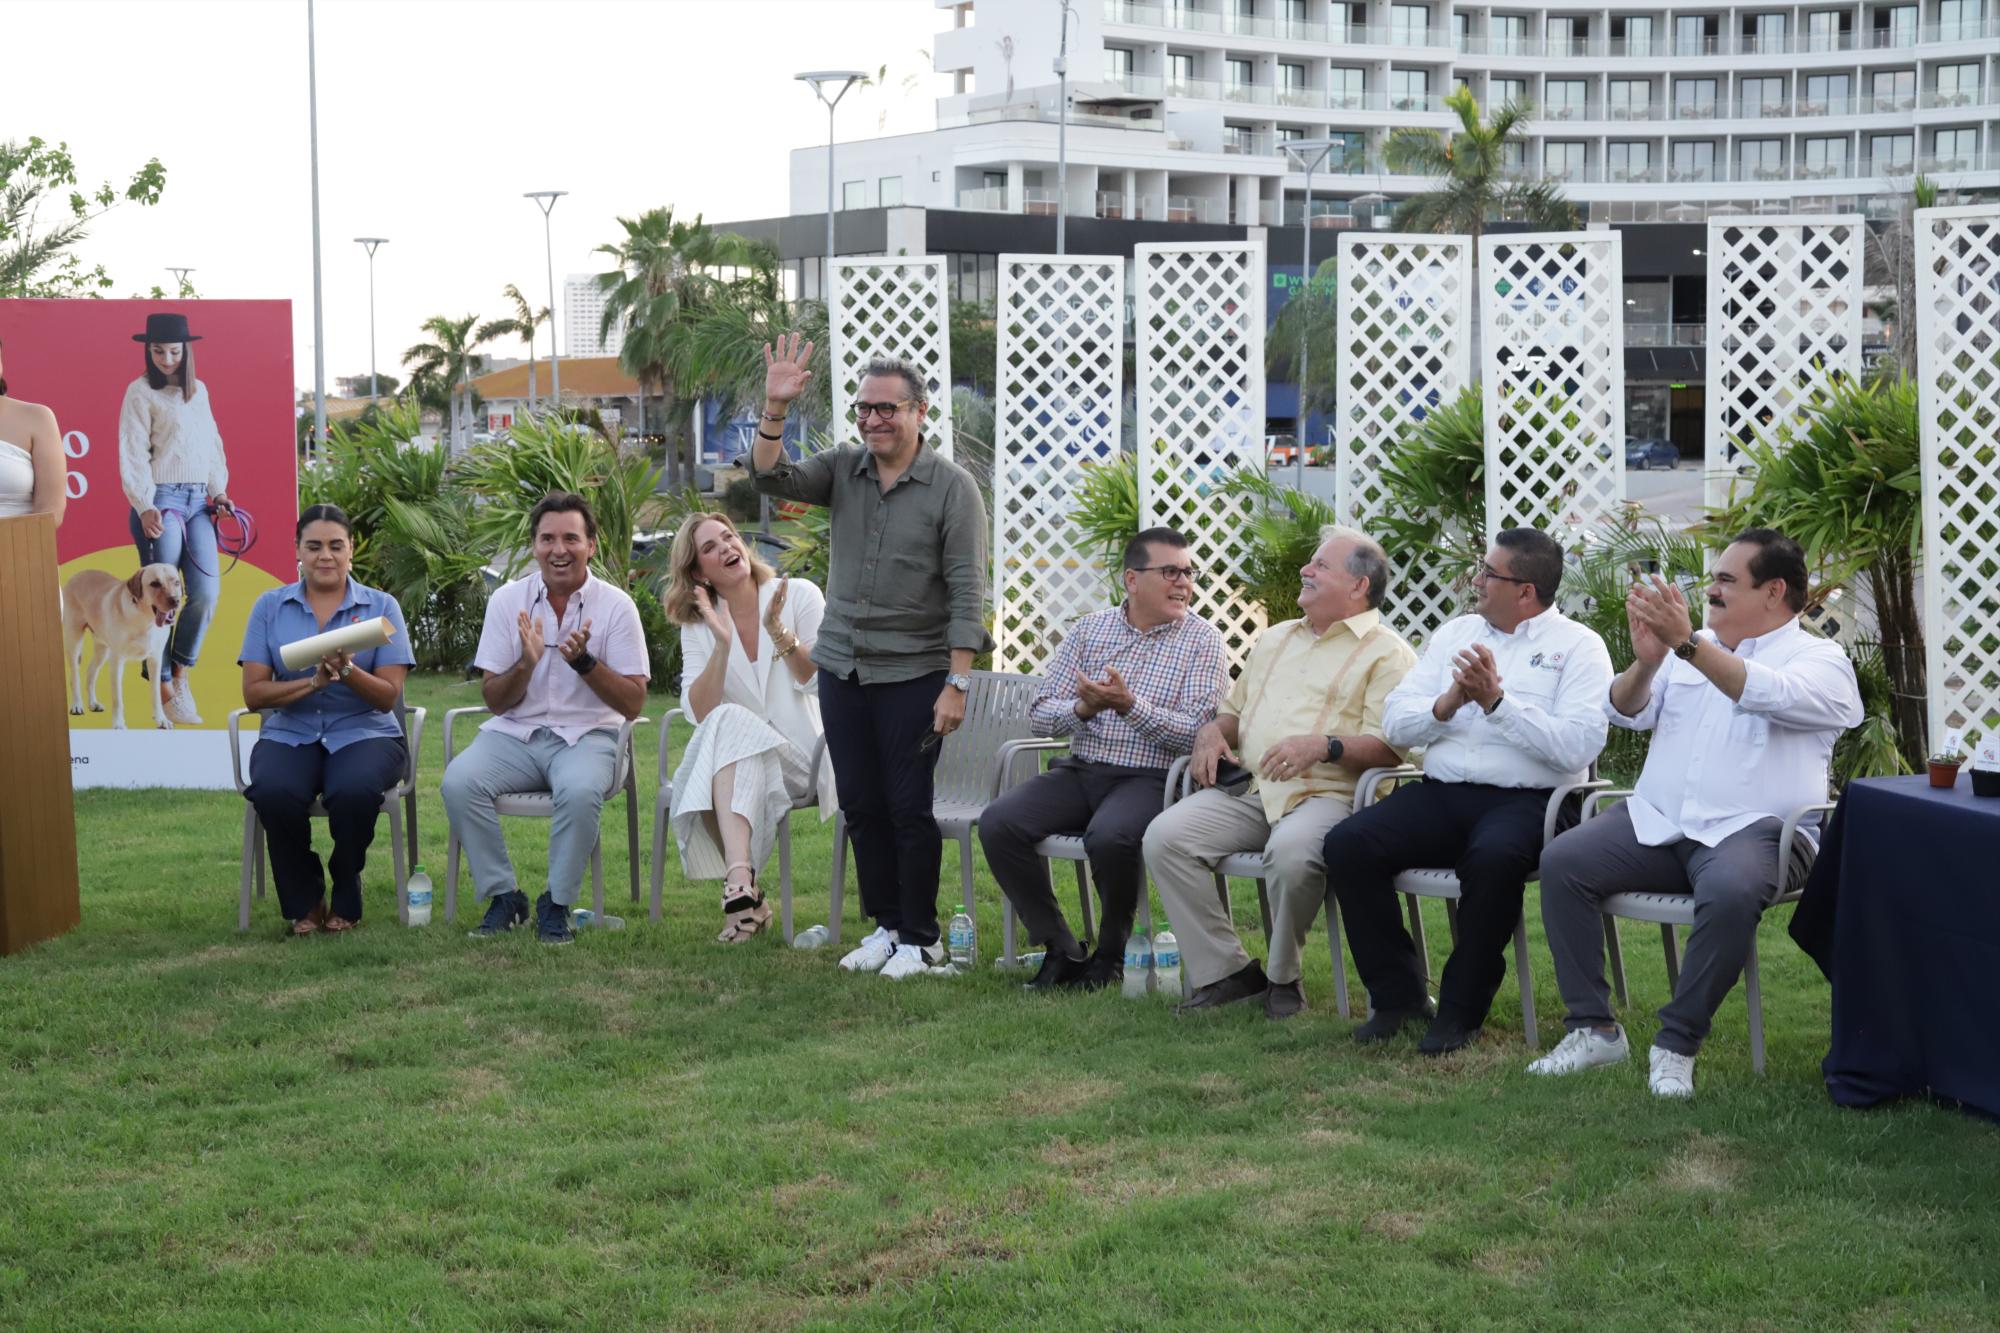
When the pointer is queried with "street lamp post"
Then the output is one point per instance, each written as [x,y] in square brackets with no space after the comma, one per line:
[1062,128]
[546,199]
[840,80]
[1306,155]
[371,244]
[180,272]
[319,313]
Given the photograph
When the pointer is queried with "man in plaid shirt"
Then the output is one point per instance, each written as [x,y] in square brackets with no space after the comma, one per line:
[1129,686]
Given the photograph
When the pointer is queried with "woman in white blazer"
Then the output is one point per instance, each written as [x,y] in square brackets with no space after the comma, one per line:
[749,685]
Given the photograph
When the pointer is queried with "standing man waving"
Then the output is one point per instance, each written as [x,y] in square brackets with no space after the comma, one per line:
[905,614]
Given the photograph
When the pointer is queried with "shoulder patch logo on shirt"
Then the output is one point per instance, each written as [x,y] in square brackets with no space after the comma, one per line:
[1547,661]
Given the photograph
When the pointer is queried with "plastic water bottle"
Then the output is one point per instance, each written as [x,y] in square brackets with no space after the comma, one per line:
[1167,964]
[582,917]
[964,946]
[1138,963]
[419,897]
[1027,962]
[812,937]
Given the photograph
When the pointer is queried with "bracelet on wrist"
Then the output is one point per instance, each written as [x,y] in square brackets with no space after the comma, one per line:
[775,439]
[777,416]
[583,663]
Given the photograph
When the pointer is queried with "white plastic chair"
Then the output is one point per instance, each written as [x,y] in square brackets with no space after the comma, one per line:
[542,805]
[663,804]
[400,802]
[1667,910]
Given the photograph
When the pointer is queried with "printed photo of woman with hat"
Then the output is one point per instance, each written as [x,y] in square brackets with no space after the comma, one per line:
[172,468]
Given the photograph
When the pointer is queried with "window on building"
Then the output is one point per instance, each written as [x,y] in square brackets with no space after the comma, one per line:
[1409,25]
[1510,34]
[1567,36]
[1632,36]
[1294,18]
[1760,159]
[1894,89]
[1292,80]
[1959,20]
[1236,79]
[1567,99]
[1630,99]
[1119,64]
[1345,88]
[1513,157]
[1349,153]
[1823,30]
[854,194]
[1694,35]
[889,191]
[1180,74]
[1957,85]
[1502,91]
[1563,160]
[1896,26]
[1956,150]
[1827,95]
[1694,160]
[1694,99]
[1409,89]
[1763,34]
[1461,30]
[1236,138]
[1629,162]
[1825,158]
[1891,154]
[1757,98]
[1339,18]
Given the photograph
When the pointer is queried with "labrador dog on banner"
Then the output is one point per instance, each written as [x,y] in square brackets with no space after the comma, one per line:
[129,620]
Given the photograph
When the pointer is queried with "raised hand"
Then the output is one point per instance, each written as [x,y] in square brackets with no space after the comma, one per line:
[532,643]
[720,625]
[577,644]
[787,370]
[774,621]
[1477,675]
[1658,616]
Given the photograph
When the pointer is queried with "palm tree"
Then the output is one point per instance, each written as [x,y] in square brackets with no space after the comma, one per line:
[1472,163]
[668,273]
[449,361]
[523,322]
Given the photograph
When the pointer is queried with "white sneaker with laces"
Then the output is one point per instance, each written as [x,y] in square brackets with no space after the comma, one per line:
[915,960]
[1672,1073]
[1585,1048]
[873,951]
[180,708]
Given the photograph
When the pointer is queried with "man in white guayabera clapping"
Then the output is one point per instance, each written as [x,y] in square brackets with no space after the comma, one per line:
[1744,714]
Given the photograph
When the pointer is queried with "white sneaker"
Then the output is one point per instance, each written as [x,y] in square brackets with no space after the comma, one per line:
[180,707]
[1585,1048]
[873,951]
[1672,1074]
[915,960]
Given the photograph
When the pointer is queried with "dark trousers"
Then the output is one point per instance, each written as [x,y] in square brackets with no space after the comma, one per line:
[349,782]
[873,734]
[1492,838]
[1110,805]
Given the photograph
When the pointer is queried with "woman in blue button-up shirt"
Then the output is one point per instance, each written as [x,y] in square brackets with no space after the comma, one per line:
[332,732]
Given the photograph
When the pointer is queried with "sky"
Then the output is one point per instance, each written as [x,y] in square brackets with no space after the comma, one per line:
[434,117]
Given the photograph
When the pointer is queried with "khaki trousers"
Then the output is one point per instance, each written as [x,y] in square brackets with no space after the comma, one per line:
[1187,841]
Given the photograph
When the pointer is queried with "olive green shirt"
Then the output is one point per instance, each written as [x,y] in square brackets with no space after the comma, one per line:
[906,582]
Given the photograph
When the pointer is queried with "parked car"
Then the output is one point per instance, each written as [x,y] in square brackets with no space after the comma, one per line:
[1645,455]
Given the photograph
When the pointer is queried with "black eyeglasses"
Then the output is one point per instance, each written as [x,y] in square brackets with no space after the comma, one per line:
[1486,571]
[929,741]
[886,411]
[1171,573]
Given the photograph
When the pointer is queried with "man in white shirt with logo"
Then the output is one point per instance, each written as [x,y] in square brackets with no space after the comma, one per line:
[1744,715]
[1507,705]
[565,662]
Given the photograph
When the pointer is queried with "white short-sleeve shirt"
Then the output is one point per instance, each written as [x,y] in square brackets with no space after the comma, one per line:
[557,697]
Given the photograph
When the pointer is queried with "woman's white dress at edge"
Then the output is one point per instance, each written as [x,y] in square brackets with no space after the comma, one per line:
[767,724]
[17,481]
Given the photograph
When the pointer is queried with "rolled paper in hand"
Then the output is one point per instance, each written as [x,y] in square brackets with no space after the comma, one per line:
[348,638]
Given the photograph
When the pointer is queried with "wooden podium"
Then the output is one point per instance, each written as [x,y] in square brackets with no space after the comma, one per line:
[38,895]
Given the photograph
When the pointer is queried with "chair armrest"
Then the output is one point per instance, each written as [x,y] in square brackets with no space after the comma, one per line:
[1177,781]
[1597,802]
[1371,779]
[236,748]
[1790,831]
[413,726]
[452,715]
[623,768]
[1562,794]
[666,730]
[1004,757]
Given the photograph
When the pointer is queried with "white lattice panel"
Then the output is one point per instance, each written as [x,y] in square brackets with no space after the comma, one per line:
[893,307]
[1060,382]
[1201,412]
[1784,319]
[1405,338]
[1958,373]
[1552,307]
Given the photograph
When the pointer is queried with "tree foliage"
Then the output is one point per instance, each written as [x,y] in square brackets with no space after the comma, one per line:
[37,252]
[1474,186]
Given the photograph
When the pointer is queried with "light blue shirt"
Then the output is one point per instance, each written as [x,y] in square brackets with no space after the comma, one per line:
[335,716]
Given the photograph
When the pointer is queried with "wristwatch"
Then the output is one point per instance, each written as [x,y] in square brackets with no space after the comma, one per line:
[960,681]
[1685,651]
[347,671]
[1334,749]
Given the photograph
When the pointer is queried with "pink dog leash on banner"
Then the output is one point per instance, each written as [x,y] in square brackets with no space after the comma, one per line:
[235,544]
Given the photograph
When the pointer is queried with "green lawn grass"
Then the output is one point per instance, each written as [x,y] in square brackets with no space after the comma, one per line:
[206,1130]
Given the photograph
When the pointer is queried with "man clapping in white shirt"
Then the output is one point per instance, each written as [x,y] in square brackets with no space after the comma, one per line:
[1744,715]
[1507,705]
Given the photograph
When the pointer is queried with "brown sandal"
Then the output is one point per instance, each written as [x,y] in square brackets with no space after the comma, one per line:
[312,921]
[744,912]
[336,924]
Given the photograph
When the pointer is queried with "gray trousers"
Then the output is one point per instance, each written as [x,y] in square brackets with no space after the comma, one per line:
[1183,846]
[1732,883]
[497,765]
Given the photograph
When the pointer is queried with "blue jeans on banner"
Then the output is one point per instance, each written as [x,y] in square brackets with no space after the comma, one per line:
[188,543]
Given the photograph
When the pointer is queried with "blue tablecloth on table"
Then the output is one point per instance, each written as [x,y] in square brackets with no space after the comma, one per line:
[1902,913]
